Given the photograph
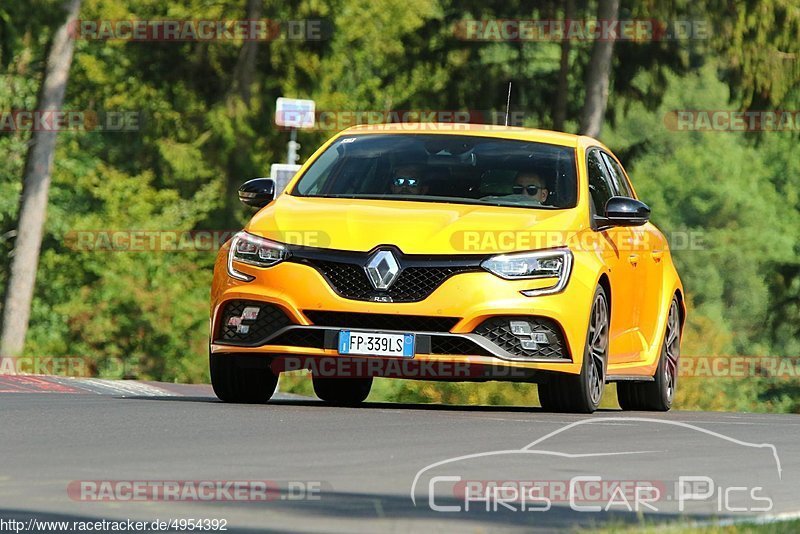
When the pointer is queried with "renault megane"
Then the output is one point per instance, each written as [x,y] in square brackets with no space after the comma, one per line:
[500,253]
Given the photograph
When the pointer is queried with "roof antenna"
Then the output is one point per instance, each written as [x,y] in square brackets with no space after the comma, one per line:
[508,102]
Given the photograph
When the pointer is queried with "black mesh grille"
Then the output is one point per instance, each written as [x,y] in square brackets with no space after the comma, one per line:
[382,321]
[301,337]
[412,285]
[416,283]
[498,331]
[237,330]
[347,279]
[456,345]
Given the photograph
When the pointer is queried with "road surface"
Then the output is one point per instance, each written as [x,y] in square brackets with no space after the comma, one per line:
[335,469]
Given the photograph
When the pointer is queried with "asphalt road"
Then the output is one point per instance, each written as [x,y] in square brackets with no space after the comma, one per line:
[356,469]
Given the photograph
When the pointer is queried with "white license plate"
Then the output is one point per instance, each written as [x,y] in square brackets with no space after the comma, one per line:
[374,344]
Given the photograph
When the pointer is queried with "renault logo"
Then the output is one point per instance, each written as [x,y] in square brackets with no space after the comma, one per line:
[382,269]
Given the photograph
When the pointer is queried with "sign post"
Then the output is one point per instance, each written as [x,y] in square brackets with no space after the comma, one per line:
[294,113]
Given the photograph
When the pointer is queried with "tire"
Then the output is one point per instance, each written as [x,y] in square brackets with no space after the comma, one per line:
[342,391]
[657,396]
[242,379]
[582,393]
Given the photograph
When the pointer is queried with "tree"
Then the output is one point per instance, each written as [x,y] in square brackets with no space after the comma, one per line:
[36,185]
[560,104]
[758,40]
[598,73]
[238,104]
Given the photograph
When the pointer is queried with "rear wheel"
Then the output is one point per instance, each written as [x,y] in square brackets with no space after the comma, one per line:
[657,396]
[242,378]
[582,393]
[342,391]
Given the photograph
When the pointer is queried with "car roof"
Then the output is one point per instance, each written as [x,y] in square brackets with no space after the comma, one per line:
[483,130]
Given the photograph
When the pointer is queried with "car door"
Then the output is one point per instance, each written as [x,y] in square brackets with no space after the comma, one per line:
[651,246]
[614,245]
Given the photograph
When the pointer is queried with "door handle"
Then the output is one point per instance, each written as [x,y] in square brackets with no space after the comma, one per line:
[634,259]
[657,255]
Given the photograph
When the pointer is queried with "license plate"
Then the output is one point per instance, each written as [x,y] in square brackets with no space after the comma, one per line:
[374,344]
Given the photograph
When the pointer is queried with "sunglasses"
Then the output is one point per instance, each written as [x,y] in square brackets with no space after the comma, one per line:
[531,189]
[401,181]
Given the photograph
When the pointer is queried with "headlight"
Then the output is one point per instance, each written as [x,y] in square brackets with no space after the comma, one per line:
[253,250]
[555,263]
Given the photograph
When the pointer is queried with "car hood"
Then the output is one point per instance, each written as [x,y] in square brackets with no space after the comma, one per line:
[413,227]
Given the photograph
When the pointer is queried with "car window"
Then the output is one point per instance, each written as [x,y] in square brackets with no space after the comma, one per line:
[444,168]
[599,183]
[618,177]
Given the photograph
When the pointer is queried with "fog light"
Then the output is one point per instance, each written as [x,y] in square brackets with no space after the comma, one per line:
[528,339]
[520,328]
[540,337]
[250,313]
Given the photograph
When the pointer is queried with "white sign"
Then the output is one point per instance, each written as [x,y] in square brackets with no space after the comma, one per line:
[294,113]
[282,173]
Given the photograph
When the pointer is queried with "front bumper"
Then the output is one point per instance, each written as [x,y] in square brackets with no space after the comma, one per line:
[455,323]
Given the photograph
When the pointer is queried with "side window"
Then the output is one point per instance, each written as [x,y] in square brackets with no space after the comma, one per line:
[618,177]
[599,184]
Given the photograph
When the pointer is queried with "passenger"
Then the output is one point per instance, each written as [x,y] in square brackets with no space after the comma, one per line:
[408,180]
[532,185]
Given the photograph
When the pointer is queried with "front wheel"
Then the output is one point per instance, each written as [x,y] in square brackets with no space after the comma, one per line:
[657,396]
[342,391]
[242,379]
[582,393]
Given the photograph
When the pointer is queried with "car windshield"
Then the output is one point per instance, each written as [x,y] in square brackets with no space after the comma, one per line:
[444,168]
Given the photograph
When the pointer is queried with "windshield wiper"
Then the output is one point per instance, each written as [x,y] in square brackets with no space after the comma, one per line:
[431,198]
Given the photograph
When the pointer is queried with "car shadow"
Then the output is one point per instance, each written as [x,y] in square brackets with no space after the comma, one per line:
[330,507]
[310,402]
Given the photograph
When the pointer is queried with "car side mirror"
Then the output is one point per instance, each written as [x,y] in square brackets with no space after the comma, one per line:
[257,193]
[624,211]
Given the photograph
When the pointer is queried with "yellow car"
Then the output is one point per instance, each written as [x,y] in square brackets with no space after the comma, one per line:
[450,252]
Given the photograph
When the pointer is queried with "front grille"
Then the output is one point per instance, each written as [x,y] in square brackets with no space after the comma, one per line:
[381,321]
[416,283]
[456,345]
[498,331]
[301,337]
[347,279]
[413,284]
[236,330]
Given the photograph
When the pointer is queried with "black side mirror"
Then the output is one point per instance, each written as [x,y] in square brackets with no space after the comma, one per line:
[624,211]
[257,193]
